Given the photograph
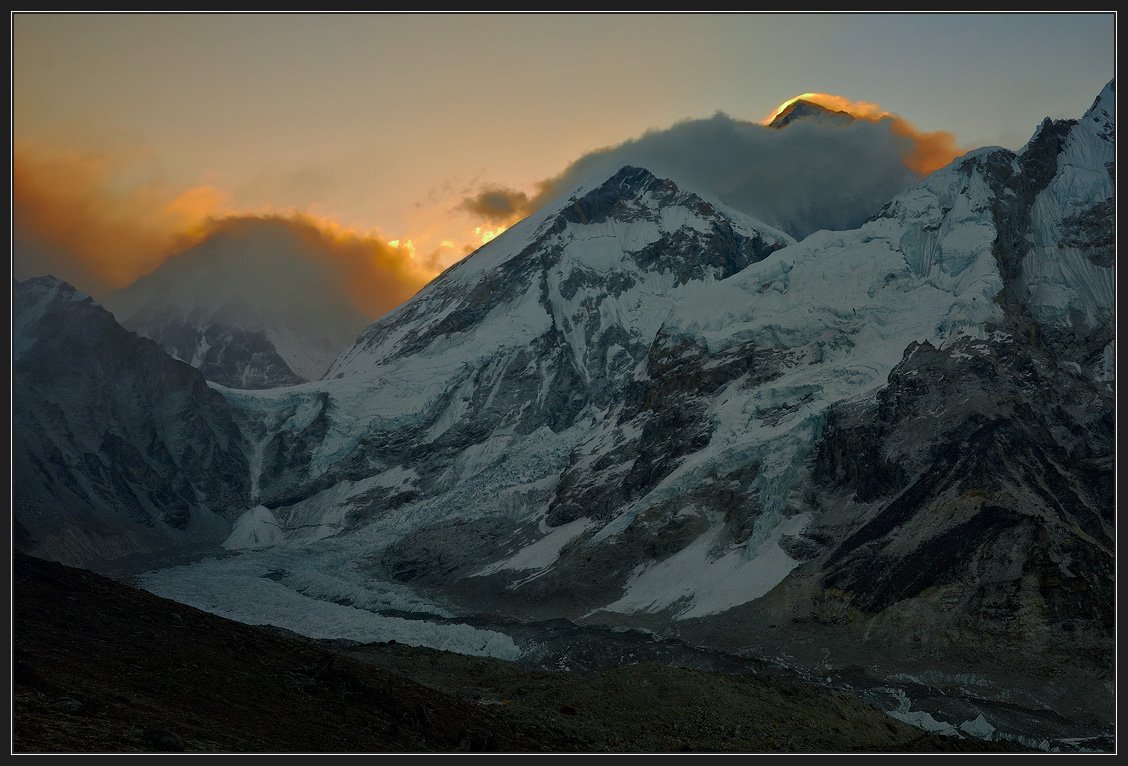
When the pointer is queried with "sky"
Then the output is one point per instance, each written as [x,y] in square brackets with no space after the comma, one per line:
[427,134]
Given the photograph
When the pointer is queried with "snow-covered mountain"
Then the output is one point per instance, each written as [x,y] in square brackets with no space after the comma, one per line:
[250,305]
[635,380]
[118,450]
[646,333]
[872,450]
[528,338]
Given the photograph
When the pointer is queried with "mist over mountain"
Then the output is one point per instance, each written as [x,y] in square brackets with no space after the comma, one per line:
[802,174]
[260,302]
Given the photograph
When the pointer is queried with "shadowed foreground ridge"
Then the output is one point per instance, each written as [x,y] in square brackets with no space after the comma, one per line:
[99,666]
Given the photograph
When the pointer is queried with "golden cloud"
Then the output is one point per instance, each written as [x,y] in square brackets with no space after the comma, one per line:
[375,275]
[925,151]
[75,217]
[72,217]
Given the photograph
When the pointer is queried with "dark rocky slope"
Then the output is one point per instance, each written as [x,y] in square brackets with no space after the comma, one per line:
[118,449]
[99,666]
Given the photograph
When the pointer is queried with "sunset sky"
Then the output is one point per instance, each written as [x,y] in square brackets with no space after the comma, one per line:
[422,131]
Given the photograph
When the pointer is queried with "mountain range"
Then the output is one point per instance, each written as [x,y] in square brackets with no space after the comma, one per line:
[884,456]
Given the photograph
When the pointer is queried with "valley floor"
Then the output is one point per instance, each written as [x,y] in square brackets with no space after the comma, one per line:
[101,667]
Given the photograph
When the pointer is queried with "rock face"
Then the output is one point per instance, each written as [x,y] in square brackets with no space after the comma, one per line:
[225,353]
[117,448]
[982,472]
[251,306]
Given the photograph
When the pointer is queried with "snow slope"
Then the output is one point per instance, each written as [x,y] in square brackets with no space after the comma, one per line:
[1065,282]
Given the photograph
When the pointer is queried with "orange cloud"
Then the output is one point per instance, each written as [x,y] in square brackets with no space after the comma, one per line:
[501,207]
[194,205]
[72,216]
[925,151]
[374,274]
[75,215]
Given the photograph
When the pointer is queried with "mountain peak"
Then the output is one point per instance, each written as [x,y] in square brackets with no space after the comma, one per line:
[808,110]
[628,183]
[1105,100]
[632,178]
[51,287]
[254,304]
[1102,114]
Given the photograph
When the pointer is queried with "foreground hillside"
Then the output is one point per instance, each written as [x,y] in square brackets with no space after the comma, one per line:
[99,666]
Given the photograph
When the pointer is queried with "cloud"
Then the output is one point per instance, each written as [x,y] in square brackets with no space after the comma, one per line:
[101,220]
[923,152]
[72,216]
[374,274]
[808,176]
[304,270]
[497,204]
[78,216]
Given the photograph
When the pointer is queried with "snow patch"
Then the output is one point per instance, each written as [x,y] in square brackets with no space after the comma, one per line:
[256,528]
[700,584]
[919,718]
[543,553]
[978,727]
[923,720]
[1106,373]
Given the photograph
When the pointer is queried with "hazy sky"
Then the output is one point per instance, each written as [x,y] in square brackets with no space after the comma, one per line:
[385,123]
